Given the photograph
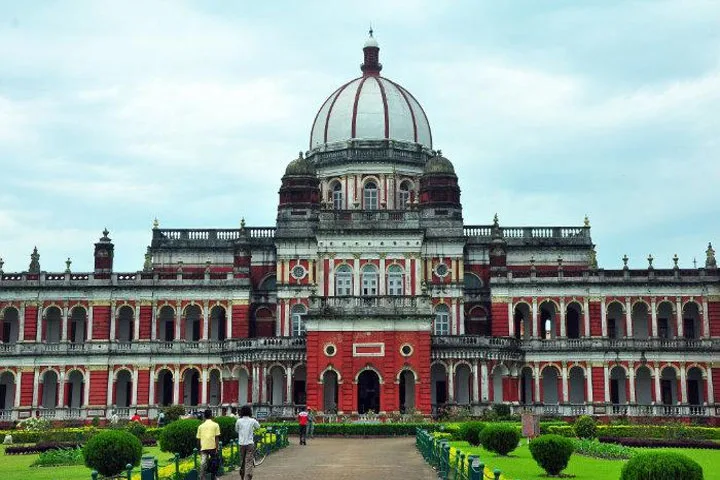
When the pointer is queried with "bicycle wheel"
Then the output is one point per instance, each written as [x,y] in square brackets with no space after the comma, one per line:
[259,455]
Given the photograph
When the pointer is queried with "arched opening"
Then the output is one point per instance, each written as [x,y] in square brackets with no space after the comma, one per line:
[618,386]
[615,320]
[691,320]
[370,196]
[576,393]
[298,313]
[548,323]
[523,321]
[368,392]
[165,386]
[572,321]
[403,198]
[125,324]
[695,386]
[472,285]
[77,325]
[343,281]
[643,386]
[7,391]
[640,321]
[463,384]
[527,396]
[193,325]
[299,383]
[476,322]
[243,384]
[217,324]
[369,279]
[668,386]
[10,326]
[442,320]
[438,380]
[666,328]
[264,324]
[337,196]
[166,324]
[407,391]
[50,386]
[330,391]
[214,388]
[499,377]
[53,320]
[191,387]
[123,389]
[75,389]
[550,386]
[395,280]
[276,385]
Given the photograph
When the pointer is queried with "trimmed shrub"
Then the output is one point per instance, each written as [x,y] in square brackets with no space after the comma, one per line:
[39,448]
[173,412]
[470,432]
[110,451]
[227,428]
[593,448]
[585,427]
[180,437]
[661,443]
[59,456]
[661,466]
[137,429]
[552,453]
[498,438]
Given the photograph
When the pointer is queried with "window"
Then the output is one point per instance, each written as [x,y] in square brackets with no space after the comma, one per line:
[298,272]
[395,280]
[337,196]
[343,280]
[369,280]
[298,320]
[442,320]
[370,196]
[441,270]
[403,198]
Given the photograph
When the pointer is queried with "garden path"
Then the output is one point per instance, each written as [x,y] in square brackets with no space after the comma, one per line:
[344,459]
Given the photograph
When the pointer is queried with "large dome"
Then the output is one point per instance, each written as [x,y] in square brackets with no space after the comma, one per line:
[370,107]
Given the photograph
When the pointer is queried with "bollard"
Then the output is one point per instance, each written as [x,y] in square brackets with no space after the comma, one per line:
[94,474]
[177,465]
[497,474]
[221,468]
[157,470]
[474,472]
[129,467]
[148,468]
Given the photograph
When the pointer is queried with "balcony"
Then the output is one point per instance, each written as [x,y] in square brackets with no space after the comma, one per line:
[623,344]
[475,346]
[388,305]
[531,235]
[369,219]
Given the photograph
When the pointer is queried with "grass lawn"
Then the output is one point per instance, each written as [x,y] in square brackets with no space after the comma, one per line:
[520,465]
[17,467]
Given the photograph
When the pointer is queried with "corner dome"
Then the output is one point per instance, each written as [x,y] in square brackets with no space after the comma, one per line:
[300,166]
[370,107]
[439,165]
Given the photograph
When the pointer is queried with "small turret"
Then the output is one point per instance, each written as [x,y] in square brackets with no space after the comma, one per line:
[498,248]
[34,261]
[439,184]
[104,253]
[710,261]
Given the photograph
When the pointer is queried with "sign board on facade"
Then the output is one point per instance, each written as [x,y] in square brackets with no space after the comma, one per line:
[530,425]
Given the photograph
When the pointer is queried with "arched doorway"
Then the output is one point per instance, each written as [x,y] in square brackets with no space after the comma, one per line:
[330,391]
[550,386]
[526,386]
[191,387]
[668,386]
[125,324]
[49,389]
[166,324]
[499,375]
[523,321]
[123,389]
[643,386]
[10,327]
[165,386]
[217,324]
[214,390]
[75,387]
[695,386]
[438,380]
[243,390]
[276,385]
[53,319]
[572,321]
[7,391]
[299,396]
[407,391]
[641,325]
[577,386]
[463,381]
[77,324]
[618,384]
[193,325]
[368,392]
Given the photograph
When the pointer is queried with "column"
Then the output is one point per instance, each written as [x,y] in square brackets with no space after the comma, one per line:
[176,386]
[86,390]
[708,382]
[586,315]
[461,315]
[565,389]
[603,317]
[382,282]
[134,396]
[36,385]
[151,389]
[706,319]
[153,324]
[678,311]
[453,317]
[606,373]
[255,384]
[451,382]
[653,317]
[418,275]
[206,326]
[178,322]
[90,322]
[476,384]
[21,325]
[511,320]
[113,306]
[356,276]
[136,321]
[64,325]
[589,382]
[658,396]
[628,319]
[563,332]
[38,330]
[331,276]
[288,384]
[228,321]
[631,381]
[535,318]
[18,387]
[263,384]
[683,384]
[203,386]
[484,380]
[536,380]
[110,384]
[60,400]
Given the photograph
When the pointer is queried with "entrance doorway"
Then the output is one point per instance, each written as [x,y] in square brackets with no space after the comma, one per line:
[368,392]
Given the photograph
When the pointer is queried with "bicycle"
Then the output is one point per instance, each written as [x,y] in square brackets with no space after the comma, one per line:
[261,451]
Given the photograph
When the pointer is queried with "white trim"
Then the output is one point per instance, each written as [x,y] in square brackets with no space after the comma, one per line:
[367,325]
[373,344]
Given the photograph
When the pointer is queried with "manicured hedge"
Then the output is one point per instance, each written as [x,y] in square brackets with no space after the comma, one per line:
[661,466]
[552,452]
[662,442]
[39,448]
[645,431]
[390,429]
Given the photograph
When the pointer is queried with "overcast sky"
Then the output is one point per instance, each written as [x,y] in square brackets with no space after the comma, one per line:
[113,113]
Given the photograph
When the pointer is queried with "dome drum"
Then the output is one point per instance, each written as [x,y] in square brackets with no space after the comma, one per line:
[357,151]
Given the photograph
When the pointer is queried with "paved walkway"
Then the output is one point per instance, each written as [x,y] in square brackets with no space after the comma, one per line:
[345,458]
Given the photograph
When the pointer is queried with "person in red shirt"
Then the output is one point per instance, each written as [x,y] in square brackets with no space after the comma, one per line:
[136,418]
[303,421]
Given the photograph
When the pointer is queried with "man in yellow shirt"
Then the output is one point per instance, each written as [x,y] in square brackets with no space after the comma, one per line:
[208,433]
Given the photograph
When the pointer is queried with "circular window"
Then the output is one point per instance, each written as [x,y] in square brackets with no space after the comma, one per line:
[298,272]
[330,350]
[441,270]
[406,350]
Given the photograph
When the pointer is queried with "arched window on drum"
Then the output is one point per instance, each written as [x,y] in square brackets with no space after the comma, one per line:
[442,320]
[395,280]
[337,196]
[370,196]
[369,281]
[403,196]
[343,281]
[298,320]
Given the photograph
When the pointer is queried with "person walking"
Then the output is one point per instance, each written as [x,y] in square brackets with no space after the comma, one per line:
[245,427]
[208,434]
[311,422]
[303,421]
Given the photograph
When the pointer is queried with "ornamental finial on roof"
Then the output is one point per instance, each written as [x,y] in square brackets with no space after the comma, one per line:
[68,262]
[587,221]
[625,260]
[710,261]
[593,258]
[242,223]
[496,221]
[34,261]
[371,58]
[300,154]
[675,261]
[650,260]
[156,224]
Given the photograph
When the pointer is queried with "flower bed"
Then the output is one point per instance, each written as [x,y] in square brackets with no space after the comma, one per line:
[661,442]
[595,449]
[645,431]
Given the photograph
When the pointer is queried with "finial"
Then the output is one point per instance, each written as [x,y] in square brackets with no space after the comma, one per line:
[105,234]
[650,260]
[300,154]
[68,262]
[2,262]
[156,224]
[496,220]
[586,221]
[439,153]
[371,64]
[242,223]
[147,266]
[625,261]
[710,261]
[694,262]
[34,261]
[593,258]
[675,261]
[371,30]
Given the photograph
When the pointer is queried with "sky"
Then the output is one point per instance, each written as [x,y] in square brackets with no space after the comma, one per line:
[115,113]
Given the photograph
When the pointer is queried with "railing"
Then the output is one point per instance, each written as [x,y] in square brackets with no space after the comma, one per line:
[204,235]
[474,341]
[458,466]
[605,344]
[369,219]
[375,305]
[528,232]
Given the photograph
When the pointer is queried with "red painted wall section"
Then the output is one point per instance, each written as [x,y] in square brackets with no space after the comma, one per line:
[98,388]
[145,318]
[101,322]
[26,388]
[716,381]
[500,322]
[240,321]
[598,384]
[595,320]
[143,388]
[714,318]
[31,312]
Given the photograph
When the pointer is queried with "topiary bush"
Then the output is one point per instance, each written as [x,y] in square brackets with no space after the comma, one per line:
[552,453]
[661,466]
[180,437]
[227,428]
[470,432]
[585,427]
[110,451]
[498,438]
[173,412]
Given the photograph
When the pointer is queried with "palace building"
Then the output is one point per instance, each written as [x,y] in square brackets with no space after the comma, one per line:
[369,293]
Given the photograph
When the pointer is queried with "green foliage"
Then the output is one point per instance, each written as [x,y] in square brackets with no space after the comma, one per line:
[678,431]
[35,424]
[585,427]
[499,438]
[95,422]
[180,437]
[594,448]
[110,451]
[173,412]
[137,429]
[552,453]
[227,428]
[661,466]
[502,410]
[470,432]
[60,456]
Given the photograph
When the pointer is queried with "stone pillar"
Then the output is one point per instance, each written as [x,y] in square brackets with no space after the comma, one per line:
[382,278]
[658,395]
[484,380]
[535,318]
[653,318]
[606,373]
[176,386]
[255,384]
[451,382]
[36,389]
[263,384]
[151,387]
[113,307]
[678,312]
[683,385]
[356,276]
[586,315]
[288,383]
[565,388]
[563,332]
[206,323]
[536,380]
[705,318]
[134,396]
[631,383]
[589,384]
[110,384]
[228,321]
[628,319]
[64,325]
[38,330]
[461,315]
[708,382]
[511,320]
[453,317]
[476,383]
[153,322]
[136,321]
[60,400]
[21,326]
[603,317]
[204,386]
[90,322]
[178,322]
[18,387]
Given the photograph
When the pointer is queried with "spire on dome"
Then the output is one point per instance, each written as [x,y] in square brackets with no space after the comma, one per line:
[371,56]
